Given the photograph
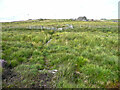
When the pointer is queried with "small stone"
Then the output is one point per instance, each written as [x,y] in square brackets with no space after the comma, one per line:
[3,62]
[60,28]
[77,72]
[71,26]
[55,70]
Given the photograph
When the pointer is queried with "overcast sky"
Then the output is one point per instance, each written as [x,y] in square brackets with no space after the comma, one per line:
[11,10]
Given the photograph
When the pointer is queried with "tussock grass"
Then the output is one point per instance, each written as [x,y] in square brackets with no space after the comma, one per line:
[84,56]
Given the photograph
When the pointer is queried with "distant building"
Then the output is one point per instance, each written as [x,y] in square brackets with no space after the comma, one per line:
[82,19]
[91,20]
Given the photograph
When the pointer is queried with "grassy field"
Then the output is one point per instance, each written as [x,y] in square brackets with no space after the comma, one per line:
[84,57]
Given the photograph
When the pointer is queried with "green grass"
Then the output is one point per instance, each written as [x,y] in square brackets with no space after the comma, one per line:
[84,57]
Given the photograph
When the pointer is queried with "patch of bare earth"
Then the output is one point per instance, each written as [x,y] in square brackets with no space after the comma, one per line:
[11,79]
[114,85]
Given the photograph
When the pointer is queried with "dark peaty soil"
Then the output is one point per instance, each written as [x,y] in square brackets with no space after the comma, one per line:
[11,79]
